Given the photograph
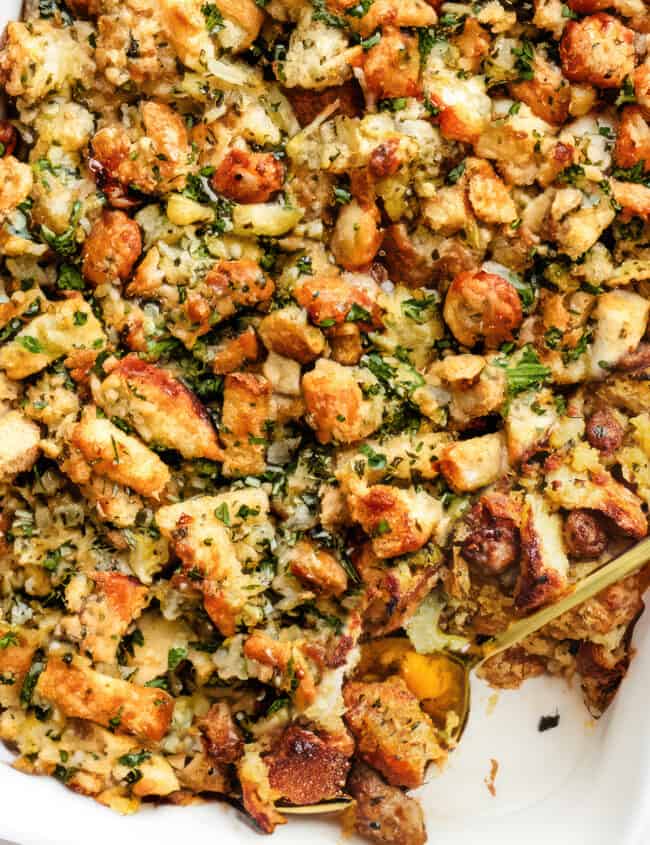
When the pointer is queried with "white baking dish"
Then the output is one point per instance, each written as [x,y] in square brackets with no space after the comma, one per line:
[576,784]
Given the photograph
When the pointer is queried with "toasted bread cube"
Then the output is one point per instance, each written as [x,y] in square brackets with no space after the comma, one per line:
[232,354]
[336,407]
[119,456]
[470,464]
[544,563]
[318,569]
[20,440]
[83,693]
[246,409]
[288,333]
[621,321]
[160,408]
[598,49]
[398,521]
[393,734]
[61,328]
[594,488]
[106,615]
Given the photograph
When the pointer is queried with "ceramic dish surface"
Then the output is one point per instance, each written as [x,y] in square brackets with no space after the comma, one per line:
[584,781]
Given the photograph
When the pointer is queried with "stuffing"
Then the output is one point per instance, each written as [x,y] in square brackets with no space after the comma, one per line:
[287,333]
[20,442]
[391,67]
[547,94]
[318,56]
[621,319]
[153,160]
[394,736]
[160,408]
[633,139]
[393,591]
[108,612]
[463,103]
[357,235]
[212,536]
[336,407]
[317,569]
[573,485]
[320,323]
[329,299]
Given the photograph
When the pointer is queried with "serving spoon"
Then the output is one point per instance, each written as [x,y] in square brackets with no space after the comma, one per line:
[616,570]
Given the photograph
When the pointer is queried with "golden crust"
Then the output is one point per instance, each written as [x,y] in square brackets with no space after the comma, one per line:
[82,693]
[393,735]
[160,408]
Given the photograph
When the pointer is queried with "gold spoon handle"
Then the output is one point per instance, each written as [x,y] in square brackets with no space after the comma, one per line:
[614,571]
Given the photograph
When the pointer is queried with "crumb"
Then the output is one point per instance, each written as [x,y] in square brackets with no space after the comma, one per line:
[489,780]
[491,703]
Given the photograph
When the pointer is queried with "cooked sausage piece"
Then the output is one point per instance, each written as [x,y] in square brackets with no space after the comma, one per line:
[384,813]
[604,431]
[584,535]
[494,545]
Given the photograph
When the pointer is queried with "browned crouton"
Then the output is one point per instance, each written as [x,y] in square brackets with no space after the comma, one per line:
[482,306]
[246,409]
[317,569]
[328,300]
[118,600]
[82,693]
[20,440]
[16,654]
[229,286]
[393,734]
[398,521]
[234,352]
[598,49]
[287,333]
[392,594]
[248,177]
[336,407]
[392,66]
[308,103]
[548,94]
[111,249]
[119,456]
[633,139]
[161,409]
[305,768]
